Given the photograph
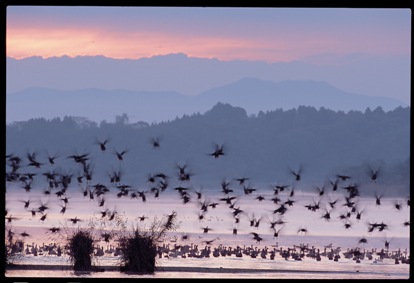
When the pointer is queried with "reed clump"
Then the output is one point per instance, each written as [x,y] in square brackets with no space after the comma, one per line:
[81,249]
[139,248]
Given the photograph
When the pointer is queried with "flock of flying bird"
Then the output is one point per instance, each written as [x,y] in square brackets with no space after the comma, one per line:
[22,170]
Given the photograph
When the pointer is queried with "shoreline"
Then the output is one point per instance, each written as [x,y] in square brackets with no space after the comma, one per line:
[193,269]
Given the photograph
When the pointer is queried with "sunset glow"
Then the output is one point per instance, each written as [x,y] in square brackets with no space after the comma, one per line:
[31,33]
[57,41]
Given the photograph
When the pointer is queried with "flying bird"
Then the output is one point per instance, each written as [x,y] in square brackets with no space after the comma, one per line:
[155,141]
[75,220]
[51,158]
[206,229]
[378,199]
[297,174]
[218,151]
[374,174]
[120,155]
[256,237]
[102,144]
[302,230]
[343,177]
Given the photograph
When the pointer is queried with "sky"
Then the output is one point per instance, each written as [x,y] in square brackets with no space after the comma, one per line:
[232,33]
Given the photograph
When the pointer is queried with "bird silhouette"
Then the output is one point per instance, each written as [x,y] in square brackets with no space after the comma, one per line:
[112,215]
[80,158]
[142,218]
[276,200]
[236,211]
[297,174]
[292,192]
[397,205]
[374,173]
[213,204]
[102,144]
[302,230]
[280,188]
[106,236]
[334,184]
[252,220]
[43,217]
[209,242]
[320,190]
[183,174]
[378,199]
[228,199]
[332,203]
[234,231]
[206,229]
[155,191]
[120,154]
[54,229]
[353,190]
[43,206]
[63,208]
[256,237]
[24,234]
[387,243]
[32,160]
[274,222]
[33,212]
[156,142]
[260,197]
[225,187]
[281,209]
[26,203]
[248,190]
[11,218]
[75,220]
[363,240]
[218,151]
[359,214]
[327,215]
[343,177]
[199,193]
[185,237]
[276,232]
[51,158]
[242,180]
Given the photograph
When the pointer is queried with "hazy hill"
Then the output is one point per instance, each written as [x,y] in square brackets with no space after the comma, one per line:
[255,95]
[361,74]
[252,94]
[263,147]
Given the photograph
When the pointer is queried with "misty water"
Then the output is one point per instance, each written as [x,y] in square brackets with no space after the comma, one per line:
[320,233]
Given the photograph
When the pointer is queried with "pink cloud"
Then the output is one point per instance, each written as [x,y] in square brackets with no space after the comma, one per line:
[225,39]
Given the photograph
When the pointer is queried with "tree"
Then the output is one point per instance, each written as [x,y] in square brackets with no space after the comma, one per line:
[122,119]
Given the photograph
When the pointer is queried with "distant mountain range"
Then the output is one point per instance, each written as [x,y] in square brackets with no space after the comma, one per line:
[252,94]
[356,73]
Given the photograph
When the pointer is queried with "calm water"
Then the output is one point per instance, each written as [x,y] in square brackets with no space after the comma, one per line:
[277,268]
[320,233]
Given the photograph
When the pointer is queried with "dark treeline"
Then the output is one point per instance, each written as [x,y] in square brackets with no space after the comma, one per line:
[263,147]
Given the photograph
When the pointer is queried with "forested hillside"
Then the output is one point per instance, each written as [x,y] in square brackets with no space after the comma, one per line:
[263,147]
